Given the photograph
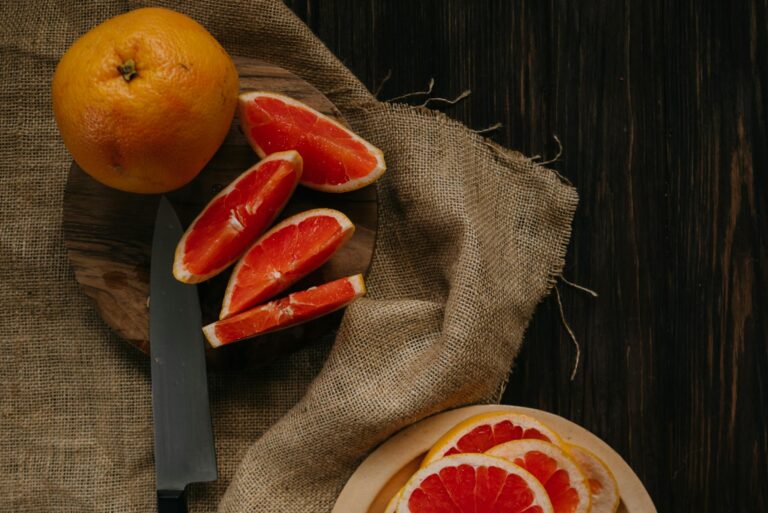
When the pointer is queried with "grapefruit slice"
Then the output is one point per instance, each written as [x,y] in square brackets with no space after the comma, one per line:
[483,431]
[473,483]
[564,481]
[335,159]
[286,312]
[235,217]
[603,487]
[286,253]
[393,502]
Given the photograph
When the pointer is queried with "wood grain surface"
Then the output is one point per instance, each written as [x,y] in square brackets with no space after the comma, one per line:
[661,110]
[108,235]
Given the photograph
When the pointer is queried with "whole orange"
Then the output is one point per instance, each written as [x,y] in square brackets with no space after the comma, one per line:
[145,99]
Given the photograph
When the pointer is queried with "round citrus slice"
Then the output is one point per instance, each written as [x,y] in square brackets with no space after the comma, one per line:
[235,217]
[335,159]
[602,484]
[473,483]
[286,312]
[564,481]
[393,502]
[483,431]
[286,253]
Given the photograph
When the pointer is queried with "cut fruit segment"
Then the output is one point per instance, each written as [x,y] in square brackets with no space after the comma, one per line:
[235,217]
[286,312]
[483,431]
[393,502]
[602,484]
[286,253]
[335,159]
[564,481]
[473,483]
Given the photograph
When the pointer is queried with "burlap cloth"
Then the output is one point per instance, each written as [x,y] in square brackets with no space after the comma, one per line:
[470,239]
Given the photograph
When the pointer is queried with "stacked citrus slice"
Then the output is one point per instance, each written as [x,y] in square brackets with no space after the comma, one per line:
[484,431]
[298,145]
[507,462]
[563,479]
[603,488]
[476,483]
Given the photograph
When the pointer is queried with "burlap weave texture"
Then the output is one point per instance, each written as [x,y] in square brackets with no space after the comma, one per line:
[471,237]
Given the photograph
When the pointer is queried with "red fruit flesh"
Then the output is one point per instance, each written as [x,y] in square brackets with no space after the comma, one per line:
[284,255]
[564,497]
[335,159]
[486,436]
[466,489]
[235,217]
[285,312]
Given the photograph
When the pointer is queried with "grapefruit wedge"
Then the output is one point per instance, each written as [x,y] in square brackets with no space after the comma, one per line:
[289,251]
[473,483]
[602,484]
[235,217]
[335,159]
[285,312]
[483,431]
[563,479]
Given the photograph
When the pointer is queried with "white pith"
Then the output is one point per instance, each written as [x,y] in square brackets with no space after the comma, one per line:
[519,448]
[474,460]
[347,229]
[358,284]
[235,222]
[350,185]
[210,334]
[607,500]
[180,271]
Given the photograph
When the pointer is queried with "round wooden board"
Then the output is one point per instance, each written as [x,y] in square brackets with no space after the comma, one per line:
[387,469]
[108,234]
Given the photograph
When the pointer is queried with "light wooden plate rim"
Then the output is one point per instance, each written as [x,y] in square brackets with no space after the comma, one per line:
[365,490]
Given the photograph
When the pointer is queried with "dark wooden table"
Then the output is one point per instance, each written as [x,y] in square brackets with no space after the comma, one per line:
[661,109]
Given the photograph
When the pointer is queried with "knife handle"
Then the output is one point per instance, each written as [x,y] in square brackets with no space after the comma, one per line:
[171,501]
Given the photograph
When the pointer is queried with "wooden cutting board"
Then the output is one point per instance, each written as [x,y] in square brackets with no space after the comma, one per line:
[108,234]
[388,468]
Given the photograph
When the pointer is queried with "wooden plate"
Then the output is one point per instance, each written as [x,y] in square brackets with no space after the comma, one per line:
[387,469]
[108,234]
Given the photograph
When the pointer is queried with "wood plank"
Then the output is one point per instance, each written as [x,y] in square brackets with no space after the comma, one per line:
[662,109]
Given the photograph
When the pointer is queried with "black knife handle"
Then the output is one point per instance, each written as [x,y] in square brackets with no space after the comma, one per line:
[171,501]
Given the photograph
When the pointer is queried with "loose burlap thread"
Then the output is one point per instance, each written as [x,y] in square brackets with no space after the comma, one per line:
[471,237]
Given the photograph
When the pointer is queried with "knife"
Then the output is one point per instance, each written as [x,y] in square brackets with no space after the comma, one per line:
[184,450]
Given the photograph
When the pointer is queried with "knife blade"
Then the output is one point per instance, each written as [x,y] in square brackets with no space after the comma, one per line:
[184,450]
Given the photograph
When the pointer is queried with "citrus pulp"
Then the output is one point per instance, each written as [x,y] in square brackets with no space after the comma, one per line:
[285,312]
[481,432]
[563,479]
[473,483]
[335,159]
[289,251]
[235,217]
